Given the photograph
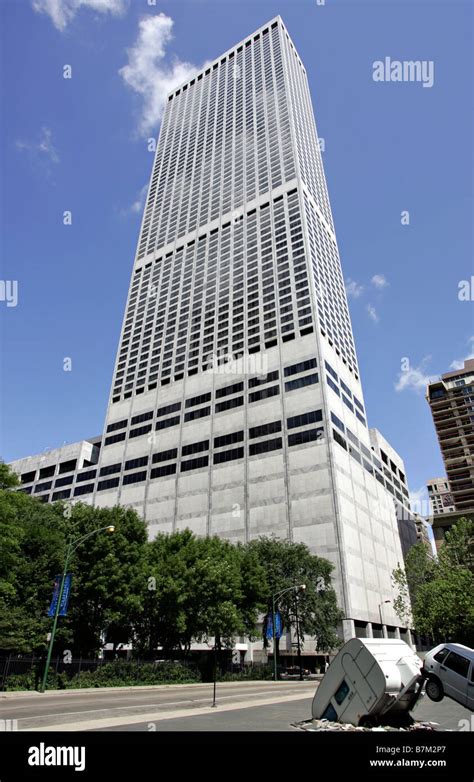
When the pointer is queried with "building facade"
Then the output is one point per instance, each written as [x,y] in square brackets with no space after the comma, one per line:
[236,405]
[439,495]
[451,399]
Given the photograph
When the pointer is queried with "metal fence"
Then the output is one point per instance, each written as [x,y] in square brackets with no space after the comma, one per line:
[202,667]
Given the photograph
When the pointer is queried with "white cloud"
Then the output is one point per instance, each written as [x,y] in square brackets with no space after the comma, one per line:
[459,362]
[353,289]
[146,72]
[379,281]
[372,313]
[137,205]
[41,151]
[413,378]
[62,12]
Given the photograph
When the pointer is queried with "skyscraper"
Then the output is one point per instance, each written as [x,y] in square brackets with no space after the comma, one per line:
[236,405]
[451,399]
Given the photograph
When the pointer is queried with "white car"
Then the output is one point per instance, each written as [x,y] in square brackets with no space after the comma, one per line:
[449,670]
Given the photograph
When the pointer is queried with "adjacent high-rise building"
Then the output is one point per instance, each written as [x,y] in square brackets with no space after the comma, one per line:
[439,495]
[451,399]
[236,405]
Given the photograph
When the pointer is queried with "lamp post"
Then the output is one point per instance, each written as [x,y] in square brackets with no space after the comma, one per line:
[71,548]
[381,618]
[298,637]
[274,599]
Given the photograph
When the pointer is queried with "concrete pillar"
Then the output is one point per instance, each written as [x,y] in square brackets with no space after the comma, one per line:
[410,640]
[348,629]
[397,632]
[384,631]
[370,632]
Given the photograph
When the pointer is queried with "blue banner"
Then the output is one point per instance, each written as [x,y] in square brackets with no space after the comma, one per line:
[278,627]
[64,597]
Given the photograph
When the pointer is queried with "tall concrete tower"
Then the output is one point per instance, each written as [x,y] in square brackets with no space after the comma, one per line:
[236,405]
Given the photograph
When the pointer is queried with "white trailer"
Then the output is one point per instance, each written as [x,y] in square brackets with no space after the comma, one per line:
[368,678]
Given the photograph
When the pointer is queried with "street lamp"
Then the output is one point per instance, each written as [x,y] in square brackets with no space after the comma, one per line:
[380,612]
[274,599]
[72,546]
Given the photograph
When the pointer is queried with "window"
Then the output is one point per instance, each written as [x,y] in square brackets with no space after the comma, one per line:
[115,438]
[309,380]
[187,450]
[27,477]
[110,469]
[47,472]
[64,481]
[140,431]
[86,476]
[346,389]
[265,446]
[168,409]
[228,439]
[340,440]
[332,385]
[117,425]
[134,477]
[159,472]
[43,486]
[260,381]
[331,371]
[298,438]
[67,466]
[303,366]
[164,456]
[304,418]
[111,483]
[227,390]
[264,429]
[193,414]
[198,400]
[264,393]
[131,464]
[229,403]
[194,464]
[167,422]
[455,662]
[227,456]
[139,419]
[338,422]
[88,489]
[347,403]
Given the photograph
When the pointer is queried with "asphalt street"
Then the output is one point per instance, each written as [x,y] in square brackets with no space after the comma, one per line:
[241,706]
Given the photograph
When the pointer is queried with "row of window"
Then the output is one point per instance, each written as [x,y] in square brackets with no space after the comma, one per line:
[369,463]
[226,404]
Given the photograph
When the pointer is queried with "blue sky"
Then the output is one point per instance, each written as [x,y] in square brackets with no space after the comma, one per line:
[80,144]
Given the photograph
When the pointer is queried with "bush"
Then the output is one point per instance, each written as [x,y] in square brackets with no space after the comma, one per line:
[121,673]
[249,673]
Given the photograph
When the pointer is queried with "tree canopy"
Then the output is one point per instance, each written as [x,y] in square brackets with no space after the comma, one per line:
[164,593]
[441,589]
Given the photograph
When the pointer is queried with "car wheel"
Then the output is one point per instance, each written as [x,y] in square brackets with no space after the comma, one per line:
[434,690]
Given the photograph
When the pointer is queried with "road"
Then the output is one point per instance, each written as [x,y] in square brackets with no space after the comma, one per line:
[241,706]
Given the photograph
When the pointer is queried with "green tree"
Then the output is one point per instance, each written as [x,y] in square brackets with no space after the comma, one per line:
[32,545]
[440,589]
[8,478]
[195,589]
[288,564]
[107,574]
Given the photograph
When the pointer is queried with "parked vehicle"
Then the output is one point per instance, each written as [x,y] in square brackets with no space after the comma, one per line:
[368,678]
[449,670]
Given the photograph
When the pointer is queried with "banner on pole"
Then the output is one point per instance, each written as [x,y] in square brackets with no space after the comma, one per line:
[278,627]
[64,597]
